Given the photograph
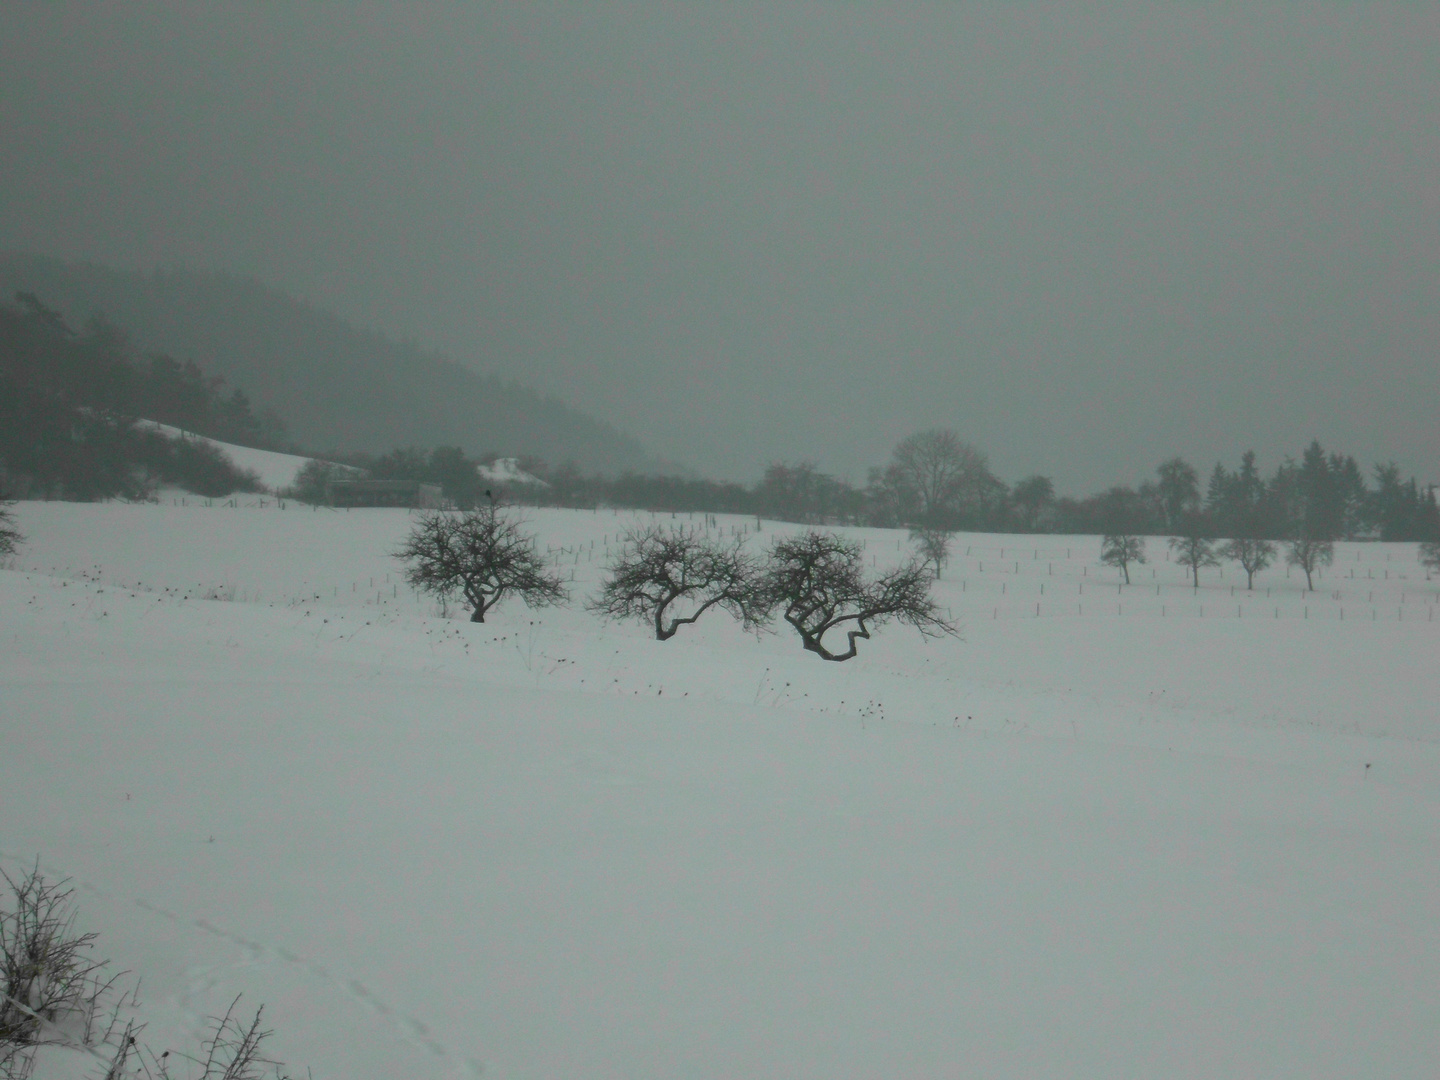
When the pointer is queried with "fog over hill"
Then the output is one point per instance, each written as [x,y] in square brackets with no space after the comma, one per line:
[1086,237]
[335,385]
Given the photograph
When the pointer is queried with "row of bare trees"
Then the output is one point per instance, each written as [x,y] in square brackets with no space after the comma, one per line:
[669,577]
[1196,552]
[1300,511]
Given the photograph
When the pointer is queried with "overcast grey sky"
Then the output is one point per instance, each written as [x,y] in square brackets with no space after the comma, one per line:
[1086,236]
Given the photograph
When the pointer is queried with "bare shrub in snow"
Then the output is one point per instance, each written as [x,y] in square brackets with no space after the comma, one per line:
[52,990]
[1122,549]
[658,568]
[47,975]
[231,1053]
[817,581]
[481,555]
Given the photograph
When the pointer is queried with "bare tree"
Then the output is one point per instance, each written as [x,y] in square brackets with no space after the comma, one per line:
[1252,555]
[936,476]
[1193,548]
[817,581]
[1122,549]
[1194,552]
[1178,491]
[934,545]
[10,537]
[1430,555]
[1031,497]
[482,555]
[802,493]
[1309,554]
[658,568]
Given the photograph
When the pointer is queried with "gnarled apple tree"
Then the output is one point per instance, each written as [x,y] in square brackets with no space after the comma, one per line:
[481,555]
[817,583]
[670,577]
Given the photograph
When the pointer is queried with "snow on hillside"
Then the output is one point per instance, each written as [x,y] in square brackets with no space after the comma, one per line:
[1141,831]
[276,471]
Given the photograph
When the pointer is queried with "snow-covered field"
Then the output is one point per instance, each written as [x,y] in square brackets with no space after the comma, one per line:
[1114,832]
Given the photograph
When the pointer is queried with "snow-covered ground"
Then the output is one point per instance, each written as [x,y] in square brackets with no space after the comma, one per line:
[1128,832]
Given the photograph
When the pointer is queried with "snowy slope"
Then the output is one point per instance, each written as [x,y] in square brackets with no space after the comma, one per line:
[1105,840]
[276,471]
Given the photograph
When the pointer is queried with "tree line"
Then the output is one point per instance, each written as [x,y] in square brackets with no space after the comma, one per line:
[935,481]
[70,408]
[1322,495]
[70,401]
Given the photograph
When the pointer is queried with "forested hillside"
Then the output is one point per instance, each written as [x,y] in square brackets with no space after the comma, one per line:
[334,385]
[70,405]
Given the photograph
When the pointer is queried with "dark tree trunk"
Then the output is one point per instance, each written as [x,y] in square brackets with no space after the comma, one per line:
[661,633]
[812,642]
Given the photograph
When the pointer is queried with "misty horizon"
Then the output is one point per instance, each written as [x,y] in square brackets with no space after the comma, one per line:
[1086,241]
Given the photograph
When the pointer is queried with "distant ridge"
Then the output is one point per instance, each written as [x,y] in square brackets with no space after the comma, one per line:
[336,386]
